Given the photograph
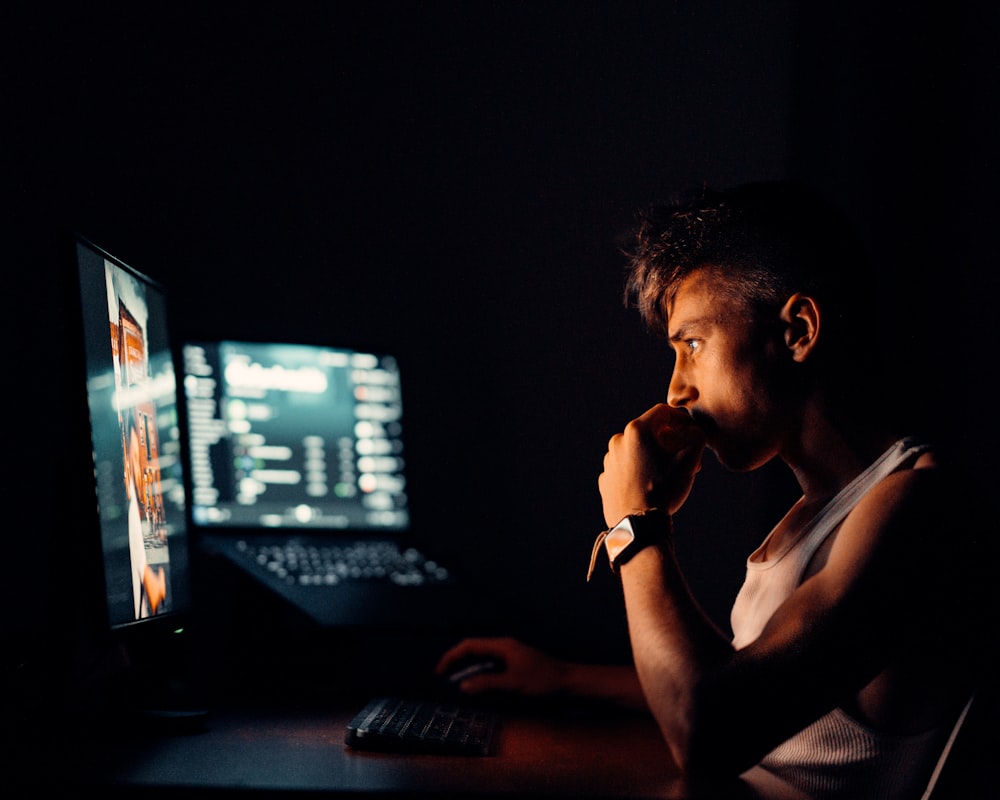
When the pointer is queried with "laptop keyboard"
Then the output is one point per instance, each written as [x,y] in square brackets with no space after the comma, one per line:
[393,724]
[304,564]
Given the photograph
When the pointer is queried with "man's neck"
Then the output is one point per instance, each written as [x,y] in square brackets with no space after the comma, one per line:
[827,456]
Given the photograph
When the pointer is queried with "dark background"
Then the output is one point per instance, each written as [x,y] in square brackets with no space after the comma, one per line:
[453,179]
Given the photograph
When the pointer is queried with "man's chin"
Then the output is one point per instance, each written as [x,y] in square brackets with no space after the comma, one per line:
[735,458]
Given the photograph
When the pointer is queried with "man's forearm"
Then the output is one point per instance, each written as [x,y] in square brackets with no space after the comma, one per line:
[674,643]
[618,684]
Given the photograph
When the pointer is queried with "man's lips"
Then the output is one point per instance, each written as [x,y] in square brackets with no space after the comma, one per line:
[703,421]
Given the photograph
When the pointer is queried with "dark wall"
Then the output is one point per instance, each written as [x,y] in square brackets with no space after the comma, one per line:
[454,178]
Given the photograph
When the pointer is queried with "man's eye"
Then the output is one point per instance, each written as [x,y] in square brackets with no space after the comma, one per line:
[692,345]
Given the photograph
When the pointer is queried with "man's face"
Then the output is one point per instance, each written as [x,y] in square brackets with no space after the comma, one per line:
[726,372]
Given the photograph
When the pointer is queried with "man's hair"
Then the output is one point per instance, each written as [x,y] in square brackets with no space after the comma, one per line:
[764,242]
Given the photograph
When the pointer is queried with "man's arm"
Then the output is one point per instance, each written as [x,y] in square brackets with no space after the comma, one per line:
[722,710]
[528,671]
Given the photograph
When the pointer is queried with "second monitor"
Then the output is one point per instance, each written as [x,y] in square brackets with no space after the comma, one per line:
[294,436]
[298,474]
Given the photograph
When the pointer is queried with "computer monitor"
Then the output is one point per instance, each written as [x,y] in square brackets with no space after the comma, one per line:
[299,476]
[133,540]
[295,437]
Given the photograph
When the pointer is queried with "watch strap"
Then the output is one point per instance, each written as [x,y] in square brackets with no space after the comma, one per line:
[647,529]
[594,553]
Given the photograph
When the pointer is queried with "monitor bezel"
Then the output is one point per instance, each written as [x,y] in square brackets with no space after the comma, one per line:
[96,624]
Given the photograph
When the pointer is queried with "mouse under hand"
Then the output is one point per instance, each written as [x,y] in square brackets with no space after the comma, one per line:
[470,667]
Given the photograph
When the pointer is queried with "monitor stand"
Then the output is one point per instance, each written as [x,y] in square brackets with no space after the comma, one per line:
[156,691]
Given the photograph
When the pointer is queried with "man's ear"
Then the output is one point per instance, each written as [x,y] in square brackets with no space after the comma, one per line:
[801,316]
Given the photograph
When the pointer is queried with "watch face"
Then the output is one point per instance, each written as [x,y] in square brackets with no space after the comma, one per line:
[620,537]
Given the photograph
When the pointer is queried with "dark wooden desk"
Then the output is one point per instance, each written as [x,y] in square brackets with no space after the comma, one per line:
[537,755]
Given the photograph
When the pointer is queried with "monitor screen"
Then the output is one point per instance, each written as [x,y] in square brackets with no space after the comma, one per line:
[294,436]
[131,391]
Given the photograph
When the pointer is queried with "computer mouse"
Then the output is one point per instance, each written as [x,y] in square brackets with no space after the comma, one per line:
[469,667]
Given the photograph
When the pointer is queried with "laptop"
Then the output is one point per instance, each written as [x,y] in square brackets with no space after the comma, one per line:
[298,474]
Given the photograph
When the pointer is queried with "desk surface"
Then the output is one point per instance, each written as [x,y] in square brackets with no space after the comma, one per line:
[550,754]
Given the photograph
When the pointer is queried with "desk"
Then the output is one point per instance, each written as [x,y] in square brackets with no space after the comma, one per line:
[558,754]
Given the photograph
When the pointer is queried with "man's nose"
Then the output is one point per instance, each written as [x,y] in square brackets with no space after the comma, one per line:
[680,391]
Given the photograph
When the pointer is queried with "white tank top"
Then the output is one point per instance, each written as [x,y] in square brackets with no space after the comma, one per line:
[836,757]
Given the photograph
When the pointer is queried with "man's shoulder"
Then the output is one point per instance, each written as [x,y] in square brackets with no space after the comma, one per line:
[915,510]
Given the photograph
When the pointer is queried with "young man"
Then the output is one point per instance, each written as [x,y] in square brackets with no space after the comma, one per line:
[851,657]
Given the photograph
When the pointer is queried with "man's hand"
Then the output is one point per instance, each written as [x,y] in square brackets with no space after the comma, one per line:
[651,464]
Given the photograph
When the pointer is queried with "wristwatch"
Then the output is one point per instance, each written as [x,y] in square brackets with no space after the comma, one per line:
[634,533]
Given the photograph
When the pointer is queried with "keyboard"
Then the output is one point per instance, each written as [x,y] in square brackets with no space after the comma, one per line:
[393,724]
[306,564]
